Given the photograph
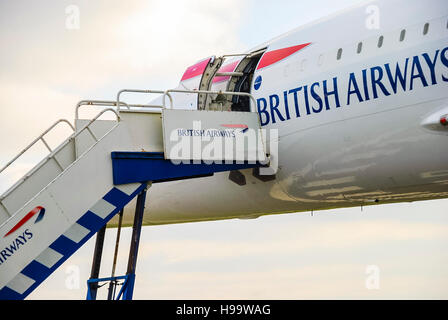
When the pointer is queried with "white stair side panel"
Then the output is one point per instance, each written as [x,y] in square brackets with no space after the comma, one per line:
[31,186]
[66,155]
[85,140]
[145,128]
[38,180]
[4,215]
[33,236]
[231,135]
[90,177]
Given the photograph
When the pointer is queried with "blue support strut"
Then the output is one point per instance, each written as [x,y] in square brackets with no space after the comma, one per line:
[92,285]
[139,167]
[128,291]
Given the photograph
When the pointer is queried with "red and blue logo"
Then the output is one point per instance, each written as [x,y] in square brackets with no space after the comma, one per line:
[244,127]
[39,211]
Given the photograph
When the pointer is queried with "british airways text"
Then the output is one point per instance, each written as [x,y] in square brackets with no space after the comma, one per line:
[368,84]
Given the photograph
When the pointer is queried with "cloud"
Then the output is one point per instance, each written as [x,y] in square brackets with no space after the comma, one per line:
[153,40]
[164,35]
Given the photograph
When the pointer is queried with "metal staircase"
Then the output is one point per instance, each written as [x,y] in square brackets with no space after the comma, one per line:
[72,194]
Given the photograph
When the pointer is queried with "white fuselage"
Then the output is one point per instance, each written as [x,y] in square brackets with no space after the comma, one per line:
[371,138]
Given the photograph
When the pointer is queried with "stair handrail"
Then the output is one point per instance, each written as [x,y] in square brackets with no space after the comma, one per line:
[118,102]
[86,127]
[227,93]
[40,137]
[103,103]
[62,145]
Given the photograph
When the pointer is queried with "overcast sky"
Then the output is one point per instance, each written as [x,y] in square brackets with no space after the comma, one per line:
[380,252]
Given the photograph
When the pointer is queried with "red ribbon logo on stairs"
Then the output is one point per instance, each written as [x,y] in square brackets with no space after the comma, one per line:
[244,127]
[40,211]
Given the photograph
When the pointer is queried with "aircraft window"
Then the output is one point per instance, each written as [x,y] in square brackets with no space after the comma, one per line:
[426,29]
[359,47]
[402,34]
[380,41]
[339,54]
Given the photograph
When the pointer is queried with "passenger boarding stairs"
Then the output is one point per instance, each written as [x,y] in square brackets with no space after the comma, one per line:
[70,195]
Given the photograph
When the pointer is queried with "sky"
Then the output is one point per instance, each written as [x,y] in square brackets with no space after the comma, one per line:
[49,62]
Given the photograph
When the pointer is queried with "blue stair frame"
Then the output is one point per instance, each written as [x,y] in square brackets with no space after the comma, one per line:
[144,167]
[131,167]
[66,247]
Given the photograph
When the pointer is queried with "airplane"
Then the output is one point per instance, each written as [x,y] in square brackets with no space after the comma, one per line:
[357,104]
[360,102]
